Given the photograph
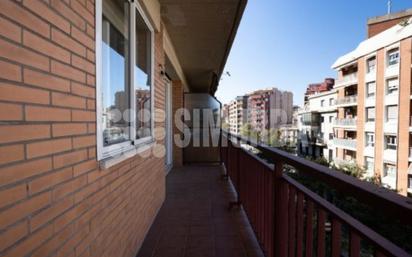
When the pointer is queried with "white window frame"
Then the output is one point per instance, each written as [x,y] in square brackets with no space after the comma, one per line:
[105,152]
[370,135]
[368,71]
[368,94]
[393,49]
[387,86]
[393,144]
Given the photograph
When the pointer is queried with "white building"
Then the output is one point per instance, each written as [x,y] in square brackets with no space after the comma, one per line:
[315,124]
[237,114]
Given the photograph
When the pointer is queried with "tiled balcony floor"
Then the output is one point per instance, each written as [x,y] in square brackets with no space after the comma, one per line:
[195,221]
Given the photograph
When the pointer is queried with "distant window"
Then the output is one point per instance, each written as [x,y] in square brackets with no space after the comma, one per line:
[389,170]
[331,101]
[391,113]
[370,139]
[391,142]
[330,136]
[410,182]
[370,114]
[392,86]
[371,64]
[369,164]
[322,119]
[322,103]
[371,89]
[330,119]
[393,57]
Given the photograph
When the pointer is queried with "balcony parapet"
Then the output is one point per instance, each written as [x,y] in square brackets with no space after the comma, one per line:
[347,101]
[347,122]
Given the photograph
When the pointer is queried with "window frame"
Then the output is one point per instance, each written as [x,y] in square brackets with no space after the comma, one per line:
[106,152]
[390,51]
[368,94]
[368,70]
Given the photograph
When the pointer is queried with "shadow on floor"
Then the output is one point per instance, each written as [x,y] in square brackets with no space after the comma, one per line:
[194,221]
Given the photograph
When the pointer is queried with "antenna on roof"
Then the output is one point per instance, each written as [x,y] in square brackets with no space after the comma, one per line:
[389,6]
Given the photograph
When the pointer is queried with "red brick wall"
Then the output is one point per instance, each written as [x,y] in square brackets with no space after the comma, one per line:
[177,103]
[54,200]
[376,28]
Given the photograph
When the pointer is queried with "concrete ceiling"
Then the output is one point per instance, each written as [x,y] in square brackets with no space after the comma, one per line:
[202,32]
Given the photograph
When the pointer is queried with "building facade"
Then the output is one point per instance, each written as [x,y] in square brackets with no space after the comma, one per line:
[315,124]
[237,113]
[374,102]
[317,88]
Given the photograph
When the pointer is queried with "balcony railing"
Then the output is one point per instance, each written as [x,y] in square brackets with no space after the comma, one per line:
[352,77]
[279,207]
[348,122]
[344,143]
[353,99]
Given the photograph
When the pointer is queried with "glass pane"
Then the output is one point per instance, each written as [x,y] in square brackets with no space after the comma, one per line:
[143,78]
[115,63]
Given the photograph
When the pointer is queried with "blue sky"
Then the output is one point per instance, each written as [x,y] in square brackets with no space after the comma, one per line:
[291,43]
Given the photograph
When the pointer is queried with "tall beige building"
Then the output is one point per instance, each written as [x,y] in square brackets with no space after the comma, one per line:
[237,114]
[373,127]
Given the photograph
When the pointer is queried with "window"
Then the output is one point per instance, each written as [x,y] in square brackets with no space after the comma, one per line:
[370,139]
[371,64]
[391,113]
[410,182]
[322,119]
[124,82]
[331,101]
[330,119]
[391,142]
[393,57]
[370,89]
[322,103]
[370,114]
[392,86]
[369,165]
[389,170]
[330,136]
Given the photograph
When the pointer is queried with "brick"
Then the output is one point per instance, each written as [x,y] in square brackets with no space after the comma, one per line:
[48,147]
[36,113]
[85,141]
[65,10]
[69,187]
[15,93]
[13,234]
[84,167]
[91,80]
[67,42]
[46,13]
[24,170]
[10,112]
[79,89]
[53,244]
[83,64]
[23,209]
[11,153]
[44,80]
[31,243]
[22,55]
[91,104]
[68,72]
[83,38]
[69,129]
[90,31]
[15,12]
[91,128]
[90,56]
[69,158]
[10,30]
[78,115]
[10,71]
[83,12]
[69,216]
[46,47]
[50,213]
[17,133]
[47,181]
[12,195]
[65,100]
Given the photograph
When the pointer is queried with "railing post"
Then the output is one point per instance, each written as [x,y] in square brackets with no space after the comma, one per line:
[281,212]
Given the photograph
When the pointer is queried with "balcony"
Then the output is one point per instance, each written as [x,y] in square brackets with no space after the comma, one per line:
[347,101]
[268,210]
[347,80]
[349,144]
[345,123]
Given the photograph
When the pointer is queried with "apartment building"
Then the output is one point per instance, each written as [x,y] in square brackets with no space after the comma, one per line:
[269,108]
[88,92]
[373,126]
[289,133]
[316,88]
[237,114]
[315,124]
